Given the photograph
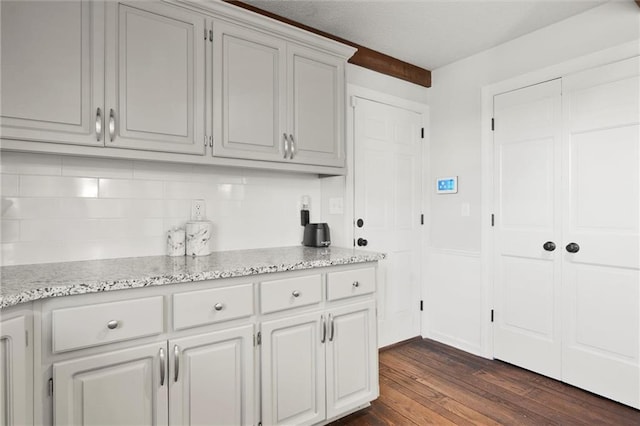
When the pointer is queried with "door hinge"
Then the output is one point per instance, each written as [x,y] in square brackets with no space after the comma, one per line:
[422,305]
[493,124]
[422,133]
[210,35]
[422,219]
[492,315]
[50,390]
[493,219]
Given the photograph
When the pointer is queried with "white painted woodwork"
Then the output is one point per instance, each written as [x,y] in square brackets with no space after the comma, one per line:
[155,80]
[52,60]
[194,308]
[527,198]
[249,86]
[213,383]
[90,325]
[316,102]
[601,283]
[293,370]
[15,364]
[387,164]
[352,283]
[115,388]
[351,358]
[278,295]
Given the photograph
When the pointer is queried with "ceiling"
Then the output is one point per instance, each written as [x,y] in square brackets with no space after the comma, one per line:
[427,33]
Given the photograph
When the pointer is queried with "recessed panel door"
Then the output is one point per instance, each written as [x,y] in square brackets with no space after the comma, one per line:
[527,227]
[601,244]
[387,204]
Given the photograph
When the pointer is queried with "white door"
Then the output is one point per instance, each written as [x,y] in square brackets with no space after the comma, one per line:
[293,370]
[211,378]
[52,71]
[15,408]
[316,106]
[126,387]
[155,81]
[527,239]
[387,188]
[601,278]
[249,93]
[352,361]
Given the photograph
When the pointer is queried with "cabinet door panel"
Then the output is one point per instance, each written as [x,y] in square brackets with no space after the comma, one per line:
[293,382]
[249,78]
[317,107]
[16,372]
[213,383]
[51,70]
[155,78]
[352,361]
[116,388]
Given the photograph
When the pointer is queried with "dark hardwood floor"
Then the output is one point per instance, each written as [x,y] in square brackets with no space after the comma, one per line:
[425,382]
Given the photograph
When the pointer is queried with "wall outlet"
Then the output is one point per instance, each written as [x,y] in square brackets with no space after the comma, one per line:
[198,209]
[336,205]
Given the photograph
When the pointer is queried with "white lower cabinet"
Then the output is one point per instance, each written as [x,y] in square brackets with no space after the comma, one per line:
[319,365]
[123,387]
[211,378]
[16,368]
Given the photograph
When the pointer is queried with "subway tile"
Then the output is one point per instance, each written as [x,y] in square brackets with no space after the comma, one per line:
[56,186]
[150,170]
[145,208]
[10,231]
[188,190]
[126,188]
[31,164]
[30,208]
[177,208]
[9,185]
[97,167]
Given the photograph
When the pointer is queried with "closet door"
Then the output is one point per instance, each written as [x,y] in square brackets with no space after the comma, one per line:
[601,279]
[527,227]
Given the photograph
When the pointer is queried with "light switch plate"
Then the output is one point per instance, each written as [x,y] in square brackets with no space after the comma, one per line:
[336,205]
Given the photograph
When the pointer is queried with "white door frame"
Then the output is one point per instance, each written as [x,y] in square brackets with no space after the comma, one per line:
[423,109]
[623,51]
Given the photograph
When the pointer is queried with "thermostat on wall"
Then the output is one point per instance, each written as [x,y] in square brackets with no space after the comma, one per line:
[447,185]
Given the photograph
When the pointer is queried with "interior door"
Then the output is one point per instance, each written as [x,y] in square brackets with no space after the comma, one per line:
[154,78]
[601,298]
[387,171]
[527,227]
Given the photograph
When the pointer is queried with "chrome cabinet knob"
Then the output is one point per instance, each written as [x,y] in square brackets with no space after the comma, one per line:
[356,284]
[218,306]
[549,246]
[573,248]
[295,293]
[113,324]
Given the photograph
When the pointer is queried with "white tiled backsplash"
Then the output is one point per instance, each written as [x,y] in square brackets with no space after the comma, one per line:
[58,208]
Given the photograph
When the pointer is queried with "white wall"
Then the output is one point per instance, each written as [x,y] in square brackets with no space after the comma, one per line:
[57,208]
[455,102]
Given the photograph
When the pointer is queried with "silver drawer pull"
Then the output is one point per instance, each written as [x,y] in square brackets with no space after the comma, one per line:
[99,124]
[218,306]
[295,293]
[356,284]
[113,324]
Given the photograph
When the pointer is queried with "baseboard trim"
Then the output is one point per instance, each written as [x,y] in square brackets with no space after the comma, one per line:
[401,343]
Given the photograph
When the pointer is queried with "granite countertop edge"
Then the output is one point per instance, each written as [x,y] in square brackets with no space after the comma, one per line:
[27,283]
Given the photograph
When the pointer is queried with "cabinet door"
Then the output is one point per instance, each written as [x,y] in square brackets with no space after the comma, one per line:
[154,78]
[249,93]
[15,365]
[316,104]
[127,387]
[211,378]
[51,71]
[352,357]
[293,382]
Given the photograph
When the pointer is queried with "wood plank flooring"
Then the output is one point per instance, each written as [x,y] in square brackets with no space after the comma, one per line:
[425,382]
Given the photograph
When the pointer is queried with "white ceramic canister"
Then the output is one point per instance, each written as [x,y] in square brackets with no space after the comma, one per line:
[198,235]
[176,242]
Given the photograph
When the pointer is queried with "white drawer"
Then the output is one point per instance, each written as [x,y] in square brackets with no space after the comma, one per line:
[350,283]
[290,293]
[194,308]
[93,325]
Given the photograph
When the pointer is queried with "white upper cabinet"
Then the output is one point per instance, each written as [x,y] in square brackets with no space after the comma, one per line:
[249,93]
[276,100]
[154,78]
[316,107]
[51,71]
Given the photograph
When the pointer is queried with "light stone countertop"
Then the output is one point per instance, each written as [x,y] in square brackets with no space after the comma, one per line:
[25,283]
